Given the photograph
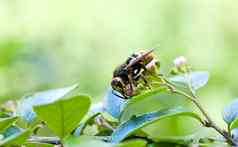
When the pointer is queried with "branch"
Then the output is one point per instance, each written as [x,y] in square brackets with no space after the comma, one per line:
[209,122]
[49,140]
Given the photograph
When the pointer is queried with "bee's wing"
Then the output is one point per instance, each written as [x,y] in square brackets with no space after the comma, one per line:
[139,58]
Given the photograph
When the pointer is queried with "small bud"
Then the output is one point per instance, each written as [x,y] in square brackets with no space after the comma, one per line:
[180,61]
[152,66]
[174,71]
[180,64]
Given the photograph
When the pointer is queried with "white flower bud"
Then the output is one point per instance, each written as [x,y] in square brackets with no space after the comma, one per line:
[179,61]
[151,64]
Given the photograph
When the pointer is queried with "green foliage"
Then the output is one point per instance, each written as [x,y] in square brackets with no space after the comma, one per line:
[196,79]
[135,123]
[85,141]
[230,112]
[12,135]
[133,143]
[79,131]
[11,131]
[25,105]
[184,140]
[113,105]
[234,124]
[63,115]
[6,122]
[9,50]
[33,144]
[16,139]
[90,141]
[230,116]
[153,101]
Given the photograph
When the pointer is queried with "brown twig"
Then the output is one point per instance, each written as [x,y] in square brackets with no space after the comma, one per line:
[208,122]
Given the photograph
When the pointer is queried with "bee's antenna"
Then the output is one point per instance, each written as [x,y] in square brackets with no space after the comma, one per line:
[139,58]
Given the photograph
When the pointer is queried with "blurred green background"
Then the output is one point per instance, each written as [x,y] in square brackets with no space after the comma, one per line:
[47,44]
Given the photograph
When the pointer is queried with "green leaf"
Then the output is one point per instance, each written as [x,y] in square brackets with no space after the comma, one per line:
[133,143]
[135,123]
[109,118]
[16,139]
[36,144]
[176,139]
[197,79]
[174,128]
[166,144]
[91,141]
[85,141]
[79,130]
[234,124]
[11,131]
[152,100]
[112,104]
[213,145]
[230,112]
[234,133]
[63,116]
[7,122]
[25,105]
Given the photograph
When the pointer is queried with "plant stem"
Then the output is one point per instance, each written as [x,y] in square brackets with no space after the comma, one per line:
[209,122]
[49,140]
[229,130]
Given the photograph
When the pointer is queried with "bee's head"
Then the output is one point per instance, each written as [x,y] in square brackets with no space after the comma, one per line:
[148,58]
[117,84]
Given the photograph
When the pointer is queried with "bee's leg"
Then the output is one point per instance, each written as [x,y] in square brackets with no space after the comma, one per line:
[113,92]
[146,82]
[101,121]
[143,78]
[137,78]
[145,69]
[131,82]
[137,70]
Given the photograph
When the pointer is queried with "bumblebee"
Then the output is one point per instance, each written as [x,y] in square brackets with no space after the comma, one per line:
[126,76]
